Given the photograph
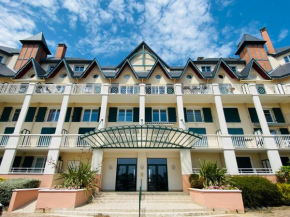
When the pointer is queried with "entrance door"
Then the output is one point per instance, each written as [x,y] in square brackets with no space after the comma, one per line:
[126,174]
[157,174]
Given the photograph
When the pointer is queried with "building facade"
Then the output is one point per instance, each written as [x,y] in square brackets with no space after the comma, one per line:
[143,120]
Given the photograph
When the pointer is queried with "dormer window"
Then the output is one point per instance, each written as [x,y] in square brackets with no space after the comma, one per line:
[233,68]
[287,59]
[50,68]
[79,68]
[205,69]
[1,58]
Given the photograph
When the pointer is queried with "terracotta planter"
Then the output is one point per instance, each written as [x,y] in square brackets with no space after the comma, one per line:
[218,199]
[68,199]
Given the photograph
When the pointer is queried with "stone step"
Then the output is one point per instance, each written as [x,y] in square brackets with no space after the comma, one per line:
[147,201]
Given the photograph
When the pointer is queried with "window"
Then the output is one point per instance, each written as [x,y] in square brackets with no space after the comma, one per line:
[287,59]
[205,69]
[188,76]
[90,115]
[125,115]
[53,115]
[63,75]
[79,68]
[16,114]
[194,116]
[268,115]
[1,58]
[96,76]
[73,163]
[32,75]
[233,68]
[159,115]
[50,68]
[127,76]
[158,77]
[221,76]
[39,162]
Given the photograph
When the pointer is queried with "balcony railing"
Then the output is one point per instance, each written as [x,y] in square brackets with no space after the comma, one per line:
[87,88]
[124,89]
[197,89]
[255,171]
[208,141]
[26,170]
[73,140]
[248,141]
[49,88]
[160,123]
[3,140]
[13,88]
[35,140]
[160,89]
[282,141]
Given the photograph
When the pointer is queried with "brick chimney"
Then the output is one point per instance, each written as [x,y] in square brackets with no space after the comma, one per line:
[60,51]
[266,37]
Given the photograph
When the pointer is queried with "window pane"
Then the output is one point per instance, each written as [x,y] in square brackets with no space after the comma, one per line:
[268,116]
[197,115]
[127,161]
[94,116]
[155,115]
[86,116]
[56,115]
[157,161]
[129,116]
[51,115]
[163,115]
[190,116]
[16,115]
[286,59]
[121,117]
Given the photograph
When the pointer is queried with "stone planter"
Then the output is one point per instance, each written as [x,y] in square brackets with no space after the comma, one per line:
[218,199]
[65,199]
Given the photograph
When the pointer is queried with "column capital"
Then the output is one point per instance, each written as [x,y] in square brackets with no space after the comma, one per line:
[31,88]
[216,89]
[178,89]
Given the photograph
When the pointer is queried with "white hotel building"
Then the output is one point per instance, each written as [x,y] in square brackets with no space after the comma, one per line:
[143,119]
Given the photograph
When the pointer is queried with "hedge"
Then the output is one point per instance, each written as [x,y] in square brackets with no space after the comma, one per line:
[258,191]
[6,187]
[284,190]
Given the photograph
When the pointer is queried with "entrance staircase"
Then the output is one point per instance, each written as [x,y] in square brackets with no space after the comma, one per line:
[126,204]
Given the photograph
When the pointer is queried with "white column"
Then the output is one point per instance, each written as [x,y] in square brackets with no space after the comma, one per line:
[104,105]
[142,171]
[186,167]
[97,160]
[180,111]
[229,151]
[142,94]
[11,148]
[270,144]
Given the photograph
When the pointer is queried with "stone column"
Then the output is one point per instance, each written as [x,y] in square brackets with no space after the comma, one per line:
[97,162]
[269,141]
[229,150]
[180,111]
[10,150]
[142,95]
[142,171]
[104,105]
[186,167]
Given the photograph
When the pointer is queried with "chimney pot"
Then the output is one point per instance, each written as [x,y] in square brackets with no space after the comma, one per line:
[60,51]
[266,38]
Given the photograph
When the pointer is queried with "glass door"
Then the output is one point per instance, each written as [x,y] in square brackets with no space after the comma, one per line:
[126,174]
[157,174]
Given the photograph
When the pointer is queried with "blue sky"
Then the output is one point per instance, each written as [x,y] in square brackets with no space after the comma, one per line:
[175,29]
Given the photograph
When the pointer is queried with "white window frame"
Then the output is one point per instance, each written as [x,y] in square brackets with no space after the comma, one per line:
[47,114]
[14,110]
[89,108]
[160,114]
[205,68]
[271,113]
[75,66]
[125,114]
[35,159]
[194,119]
[287,57]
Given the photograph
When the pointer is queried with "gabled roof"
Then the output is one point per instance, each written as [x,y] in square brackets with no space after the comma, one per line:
[9,50]
[90,67]
[281,51]
[248,39]
[38,38]
[158,62]
[5,71]
[59,66]
[143,43]
[39,71]
[281,72]
[254,64]
[126,63]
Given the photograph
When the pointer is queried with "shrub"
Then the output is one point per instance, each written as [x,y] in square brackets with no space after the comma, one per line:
[8,186]
[284,190]
[2,179]
[257,191]
[283,175]
[195,181]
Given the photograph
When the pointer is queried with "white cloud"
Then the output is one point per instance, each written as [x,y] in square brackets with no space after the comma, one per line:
[283,34]
[224,3]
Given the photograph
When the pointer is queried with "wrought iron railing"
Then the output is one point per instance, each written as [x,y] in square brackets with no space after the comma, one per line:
[35,140]
[160,89]
[13,88]
[87,88]
[255,170]
[226,88]
[49,88]
[248,141]
[73,140]
[197,89]
[282,141]
[4,140]
[26,170]
[124,89]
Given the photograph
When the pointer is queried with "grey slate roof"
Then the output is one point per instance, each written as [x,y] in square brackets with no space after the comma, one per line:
[244,74]
[281,71]
[37,38]
[39,71]
[249,39]
[9,50]
[281,51]
[5,71]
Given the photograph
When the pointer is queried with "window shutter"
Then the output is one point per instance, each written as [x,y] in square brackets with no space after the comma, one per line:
[171,114]
[9,130]
[253,115]
[28,160]
[232,115]
[30,114]
[99,114]
[284,131]
[77,114]
[6,114]
[207,115]
[67,115]
[278,115]
[236,131]
[113,114]
[41,114]
[136,115]
[185,114]
[148,114]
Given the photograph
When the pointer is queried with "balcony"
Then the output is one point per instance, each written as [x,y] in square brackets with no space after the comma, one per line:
[255,171]
[49,89]
[282,141]
[208,141]
[13,88]
[248,141]
[197,89]
[159,89]
[3,140]
[87,88]
[35,140]
[26,170]
[73,140]
[124,89]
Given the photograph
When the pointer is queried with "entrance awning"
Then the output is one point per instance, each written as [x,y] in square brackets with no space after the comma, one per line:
[137,136]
